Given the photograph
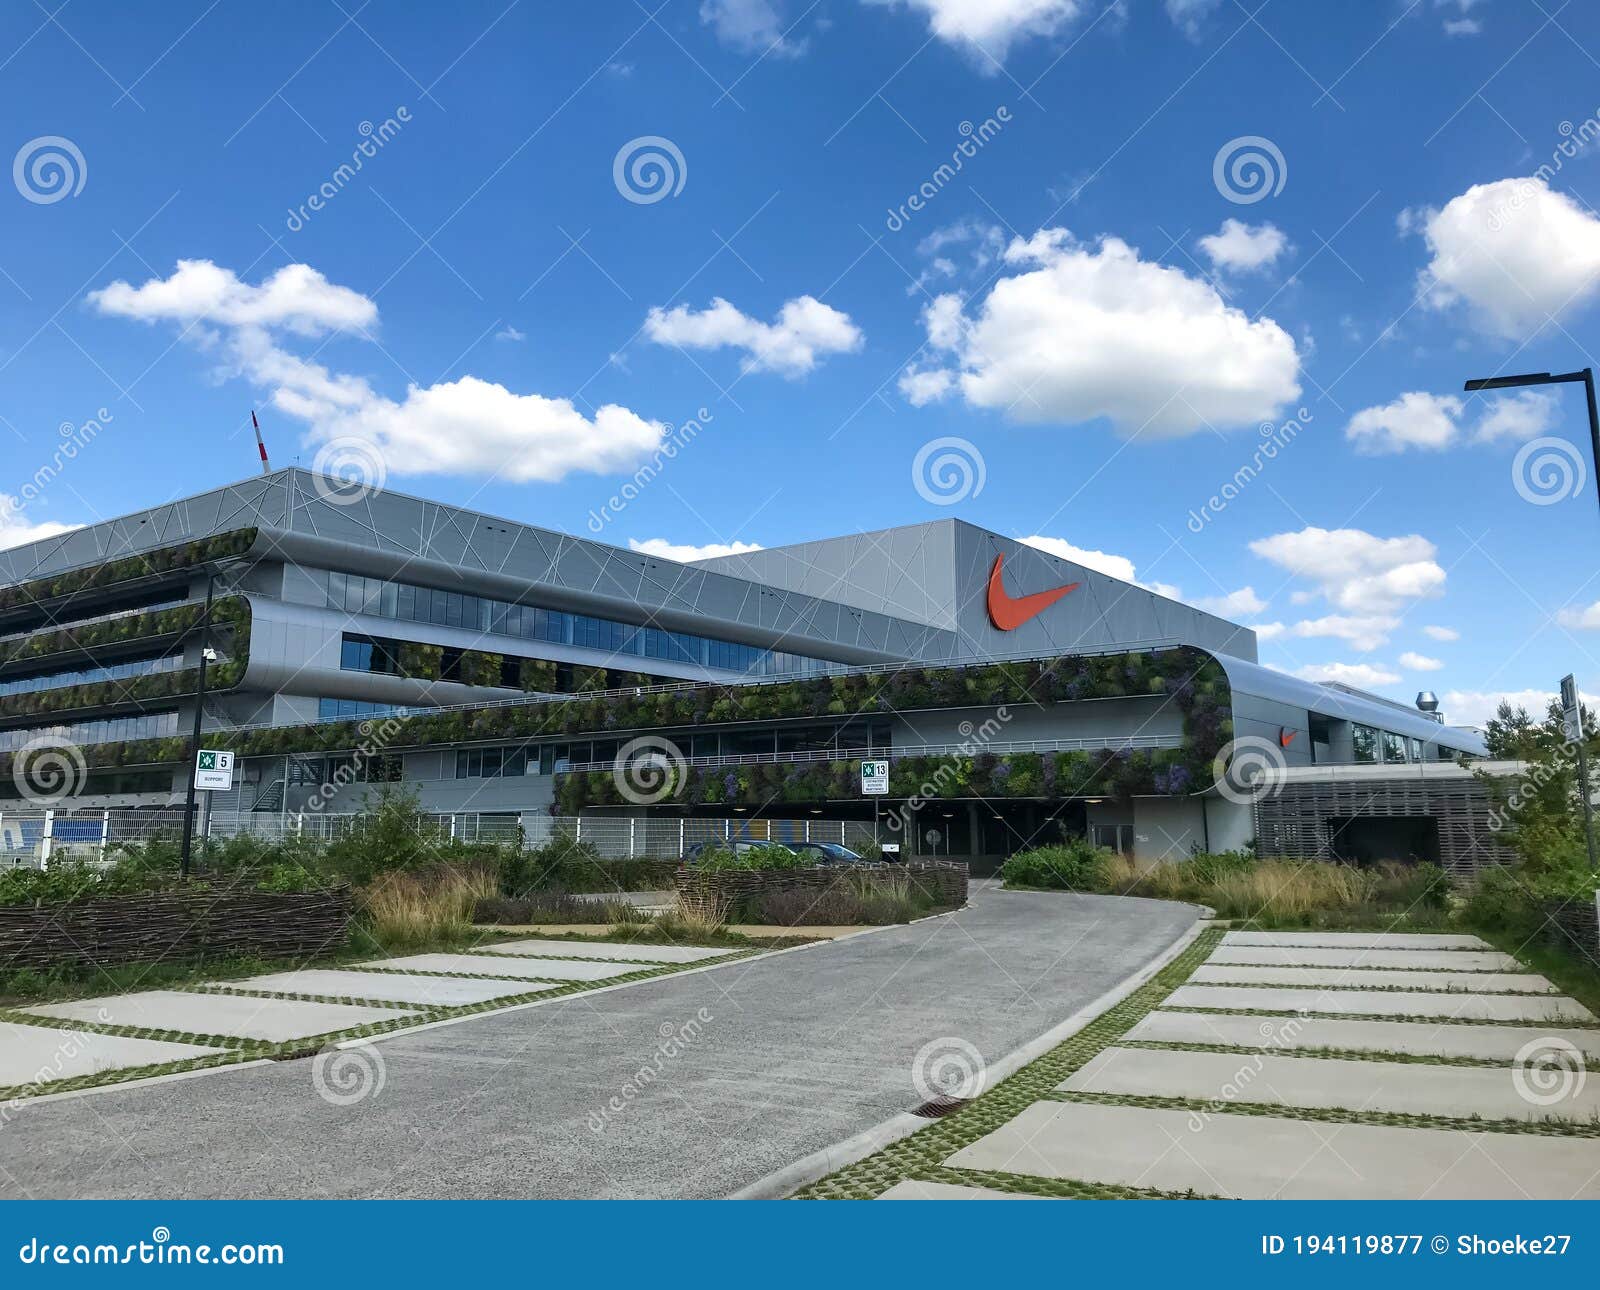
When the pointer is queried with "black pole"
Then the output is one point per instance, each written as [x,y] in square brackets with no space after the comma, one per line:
[194,743]
[1594,431]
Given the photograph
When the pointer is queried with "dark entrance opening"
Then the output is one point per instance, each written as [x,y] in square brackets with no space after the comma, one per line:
[1371,839]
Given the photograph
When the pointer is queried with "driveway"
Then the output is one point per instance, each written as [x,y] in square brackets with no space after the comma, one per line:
[691,1085]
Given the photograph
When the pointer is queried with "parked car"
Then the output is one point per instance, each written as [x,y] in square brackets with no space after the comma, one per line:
[692,854]
[827,852]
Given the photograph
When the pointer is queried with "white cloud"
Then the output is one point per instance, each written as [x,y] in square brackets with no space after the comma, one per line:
[1081,332]
[1518,416]
[684,554]
[988,28]
[1113,566]
[1243,603]
[296,298]
[1187,14]
[1583,619]
[1515,252]
[922,387]
[466,426]
[15,529]
[508,332]
[1359,574]
[1360,631]
[1475,707]
[1267,631]
[1434,421]
[1413,420]
[750,26]
[1462,26]
[805,329]
[988,240]
[1244,248]
[1419,662]
[1364,676]
[1441,633]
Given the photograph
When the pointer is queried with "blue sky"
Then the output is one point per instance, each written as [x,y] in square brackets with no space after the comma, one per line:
[1172,221]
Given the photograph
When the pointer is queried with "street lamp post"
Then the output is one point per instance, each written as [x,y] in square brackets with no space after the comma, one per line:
[207,655]
[1545,378]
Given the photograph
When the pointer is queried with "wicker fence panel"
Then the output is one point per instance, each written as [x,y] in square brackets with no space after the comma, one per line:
[174,925]
[1574,925]
[711,894]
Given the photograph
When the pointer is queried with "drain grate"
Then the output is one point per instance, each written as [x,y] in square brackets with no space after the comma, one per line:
[936,1108]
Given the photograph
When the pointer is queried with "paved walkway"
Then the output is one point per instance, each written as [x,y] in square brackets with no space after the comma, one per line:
[1368,1077]
[694,1084]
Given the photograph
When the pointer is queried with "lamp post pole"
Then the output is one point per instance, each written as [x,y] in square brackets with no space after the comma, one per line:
[1586,376]
[194,742]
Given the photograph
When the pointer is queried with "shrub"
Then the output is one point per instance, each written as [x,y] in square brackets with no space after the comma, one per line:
[1501,901]
[1075,865]
[772,856]
[551,907]
[419,908]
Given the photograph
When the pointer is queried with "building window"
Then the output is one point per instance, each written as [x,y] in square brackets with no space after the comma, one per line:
[1394,748]
[1364,742]
[494,763]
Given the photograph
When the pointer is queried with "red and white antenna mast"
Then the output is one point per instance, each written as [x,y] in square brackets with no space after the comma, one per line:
[266,466]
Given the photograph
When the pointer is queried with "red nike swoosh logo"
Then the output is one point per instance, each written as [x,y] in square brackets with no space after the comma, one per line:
[1286,737]
[1009,612]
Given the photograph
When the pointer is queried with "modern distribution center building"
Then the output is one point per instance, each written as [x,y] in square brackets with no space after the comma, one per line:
[510,671]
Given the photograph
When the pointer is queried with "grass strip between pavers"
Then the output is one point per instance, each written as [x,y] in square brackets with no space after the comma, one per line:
[1379,989]
[1321,1054]
[922,1155]
[1535,1023]
[1332,1115]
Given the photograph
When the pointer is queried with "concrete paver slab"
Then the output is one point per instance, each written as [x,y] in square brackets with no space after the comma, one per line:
[43,1054]
[432,991]
[600,950]
[1359,940]
[1261,1157]
[504,965]
[1416,1038]
[232,1015]
[1334,956]
[1371,978]
[909,1189]
[1382,1003]
[1408,1088]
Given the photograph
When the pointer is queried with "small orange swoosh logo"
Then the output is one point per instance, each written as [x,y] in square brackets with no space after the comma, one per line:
[1285,736]
[1009,612]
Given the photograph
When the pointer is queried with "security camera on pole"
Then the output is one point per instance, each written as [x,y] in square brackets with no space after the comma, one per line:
[1572,717]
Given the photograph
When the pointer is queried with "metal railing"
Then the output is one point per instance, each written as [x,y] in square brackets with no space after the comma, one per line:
[965,749]
[36,839]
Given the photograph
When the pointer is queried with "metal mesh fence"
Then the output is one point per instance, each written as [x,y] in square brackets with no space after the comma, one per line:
[35,838]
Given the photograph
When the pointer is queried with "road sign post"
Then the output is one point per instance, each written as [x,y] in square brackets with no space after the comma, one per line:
[874,784]
[1572,714]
